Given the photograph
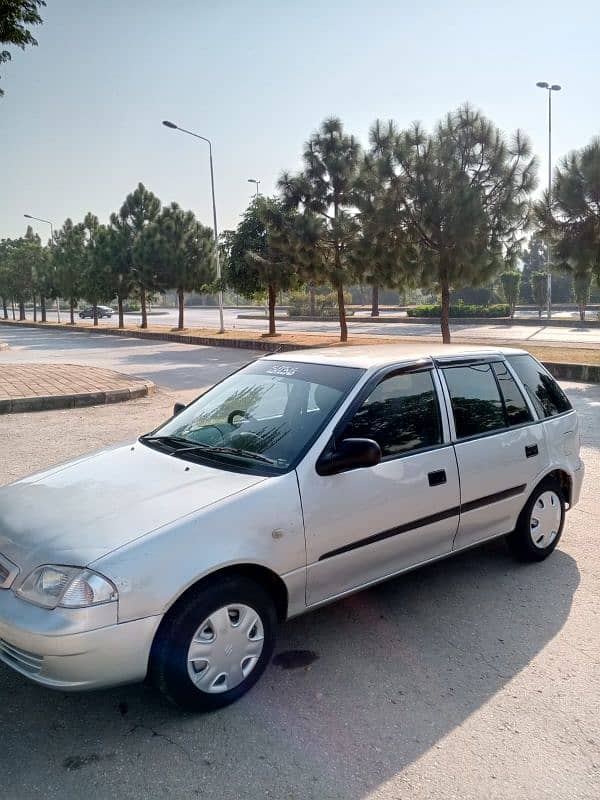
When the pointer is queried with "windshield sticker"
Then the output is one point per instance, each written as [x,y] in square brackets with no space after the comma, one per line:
[281,370]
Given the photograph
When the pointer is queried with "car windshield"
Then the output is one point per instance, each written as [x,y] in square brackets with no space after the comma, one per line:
[266,414]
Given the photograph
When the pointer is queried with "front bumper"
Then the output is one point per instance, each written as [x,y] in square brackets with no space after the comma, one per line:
[51,654]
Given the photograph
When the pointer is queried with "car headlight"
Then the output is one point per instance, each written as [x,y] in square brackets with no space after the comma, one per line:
[69,587]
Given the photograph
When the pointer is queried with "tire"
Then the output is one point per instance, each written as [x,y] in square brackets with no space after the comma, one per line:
[214,617]
[540,524]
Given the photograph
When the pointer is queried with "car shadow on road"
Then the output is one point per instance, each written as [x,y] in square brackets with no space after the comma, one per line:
[394,670]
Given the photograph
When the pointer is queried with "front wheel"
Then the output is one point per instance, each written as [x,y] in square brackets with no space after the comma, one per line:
[540,523]
[214,644]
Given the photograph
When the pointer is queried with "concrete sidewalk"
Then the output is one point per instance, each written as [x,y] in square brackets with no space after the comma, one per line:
[42,387]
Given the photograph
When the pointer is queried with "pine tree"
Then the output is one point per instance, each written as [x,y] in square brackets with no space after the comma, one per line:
[261,253]
[179,249]
[324,192]
[68,255]
[461,195]
[140,208]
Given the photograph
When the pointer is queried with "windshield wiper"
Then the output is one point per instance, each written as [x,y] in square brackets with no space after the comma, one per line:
[182,445]
[174,441]
[230,451]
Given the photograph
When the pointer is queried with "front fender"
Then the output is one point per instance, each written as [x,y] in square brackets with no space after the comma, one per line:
[261,525]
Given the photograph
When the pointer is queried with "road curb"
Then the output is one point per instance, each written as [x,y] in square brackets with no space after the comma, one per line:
[21,405]
[49,387]
[586,373]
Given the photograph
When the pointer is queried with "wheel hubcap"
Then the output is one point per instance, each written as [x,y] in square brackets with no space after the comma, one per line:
[225,648]
[545,519]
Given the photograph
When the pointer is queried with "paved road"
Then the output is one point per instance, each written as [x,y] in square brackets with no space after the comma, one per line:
[175,366]
[473,678]
[208,317]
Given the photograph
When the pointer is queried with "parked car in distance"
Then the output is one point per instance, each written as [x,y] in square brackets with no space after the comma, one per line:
[297,480]
[102,311]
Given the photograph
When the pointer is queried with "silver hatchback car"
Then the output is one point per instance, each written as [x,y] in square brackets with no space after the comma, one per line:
[295,481]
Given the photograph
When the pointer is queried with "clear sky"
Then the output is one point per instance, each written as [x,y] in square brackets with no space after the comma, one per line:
[80,120]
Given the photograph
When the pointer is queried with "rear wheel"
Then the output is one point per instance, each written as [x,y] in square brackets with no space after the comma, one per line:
[214,644]
[540,524]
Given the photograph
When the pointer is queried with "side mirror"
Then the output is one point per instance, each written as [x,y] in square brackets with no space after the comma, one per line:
[178,408]
[349,454]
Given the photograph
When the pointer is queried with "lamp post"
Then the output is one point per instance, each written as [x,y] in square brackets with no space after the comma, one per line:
[257,184]
[549,87]
[47,221]
[172,125]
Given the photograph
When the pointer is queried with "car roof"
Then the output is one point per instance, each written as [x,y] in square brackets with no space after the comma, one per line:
[381,355]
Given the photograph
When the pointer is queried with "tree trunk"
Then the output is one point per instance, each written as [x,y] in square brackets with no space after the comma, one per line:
[375,301]
[12,302]
[272,301]
[34,309]
[312,300]
[21,310]
[4,309]
[43,307]
[582,312]
[95,313]
[539,312]
[445,315]
[72,311]
[144,310]
[180,304]
[121,320]
[342,311]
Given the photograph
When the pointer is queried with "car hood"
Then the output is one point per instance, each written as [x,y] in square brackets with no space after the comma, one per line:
[79,511]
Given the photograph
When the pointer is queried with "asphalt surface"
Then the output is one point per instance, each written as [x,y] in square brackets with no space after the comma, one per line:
[197,317]
[473,678]
[168,364]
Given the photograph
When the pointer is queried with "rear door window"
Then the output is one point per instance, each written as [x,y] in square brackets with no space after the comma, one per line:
[476,402]
[545,393]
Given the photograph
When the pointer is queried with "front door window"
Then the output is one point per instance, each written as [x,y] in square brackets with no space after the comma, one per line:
[401,414]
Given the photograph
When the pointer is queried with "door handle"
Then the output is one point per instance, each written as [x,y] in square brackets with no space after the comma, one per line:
[531,450]
[437,478]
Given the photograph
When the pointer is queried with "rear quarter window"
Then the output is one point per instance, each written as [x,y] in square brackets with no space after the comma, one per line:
[545,393]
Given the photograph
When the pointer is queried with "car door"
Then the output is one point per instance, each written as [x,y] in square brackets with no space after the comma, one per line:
[364,524]
[500,448]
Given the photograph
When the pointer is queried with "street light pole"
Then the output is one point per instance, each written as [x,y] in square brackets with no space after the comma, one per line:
[554,87]
[257,183]
[172,125]
[47,221]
